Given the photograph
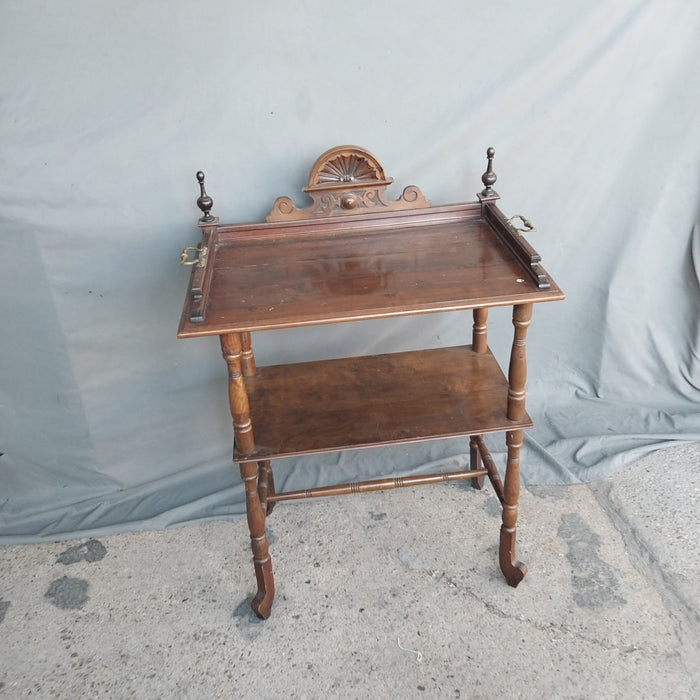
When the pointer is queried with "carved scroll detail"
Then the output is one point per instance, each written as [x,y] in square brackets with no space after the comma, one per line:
[346,180]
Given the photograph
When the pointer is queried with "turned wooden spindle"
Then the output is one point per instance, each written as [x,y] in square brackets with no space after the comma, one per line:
[231,348]
[247,357]
[479,330]
[394,482]
[517,370]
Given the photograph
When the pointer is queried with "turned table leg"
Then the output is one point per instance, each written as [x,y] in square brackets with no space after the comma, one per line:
[262,602]
[239,359]
[512,569]
[232,350]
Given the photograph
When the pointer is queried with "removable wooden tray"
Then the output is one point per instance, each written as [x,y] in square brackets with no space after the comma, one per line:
[266,276]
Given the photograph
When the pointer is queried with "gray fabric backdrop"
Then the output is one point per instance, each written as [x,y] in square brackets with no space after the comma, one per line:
[109,423]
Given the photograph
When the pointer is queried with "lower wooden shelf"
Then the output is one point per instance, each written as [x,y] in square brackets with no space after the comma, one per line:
[357,402]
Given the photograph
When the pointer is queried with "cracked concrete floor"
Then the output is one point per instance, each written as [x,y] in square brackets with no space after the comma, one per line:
[385,595]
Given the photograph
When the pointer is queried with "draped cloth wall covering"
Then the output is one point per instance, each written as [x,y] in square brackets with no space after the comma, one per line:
[107,111]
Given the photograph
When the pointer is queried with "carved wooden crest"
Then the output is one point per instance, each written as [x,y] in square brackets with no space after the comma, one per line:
[346,180]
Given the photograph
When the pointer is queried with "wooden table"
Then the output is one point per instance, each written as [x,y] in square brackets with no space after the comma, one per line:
[352,255]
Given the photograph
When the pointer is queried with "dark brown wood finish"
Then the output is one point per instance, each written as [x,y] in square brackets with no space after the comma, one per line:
[355,402]
[388,266]
[377,485]
[231,347]
[355,254]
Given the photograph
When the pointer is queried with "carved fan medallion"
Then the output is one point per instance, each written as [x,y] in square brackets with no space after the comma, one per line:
[346,180]
[346,165]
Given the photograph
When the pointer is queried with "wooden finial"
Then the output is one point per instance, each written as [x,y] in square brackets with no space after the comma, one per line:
[204,201]
[489,177]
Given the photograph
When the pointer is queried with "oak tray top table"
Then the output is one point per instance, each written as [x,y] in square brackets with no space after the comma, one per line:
[354,254]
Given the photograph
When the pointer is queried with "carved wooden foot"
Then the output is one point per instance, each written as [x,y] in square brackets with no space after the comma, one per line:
[513,570]
[262,602]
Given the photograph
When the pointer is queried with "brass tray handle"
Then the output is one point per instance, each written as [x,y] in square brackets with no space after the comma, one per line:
[526,226]
[194,255]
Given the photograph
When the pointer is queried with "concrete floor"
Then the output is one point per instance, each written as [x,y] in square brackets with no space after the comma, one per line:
[385,595]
